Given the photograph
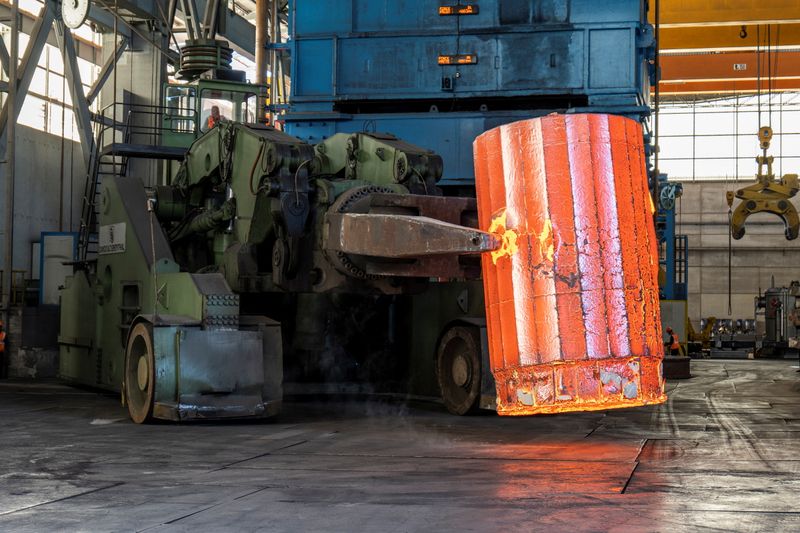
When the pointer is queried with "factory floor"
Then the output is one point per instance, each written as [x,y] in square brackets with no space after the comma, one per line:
[722,455]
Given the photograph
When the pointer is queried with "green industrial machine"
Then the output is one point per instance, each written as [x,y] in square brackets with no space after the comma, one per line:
[259,243]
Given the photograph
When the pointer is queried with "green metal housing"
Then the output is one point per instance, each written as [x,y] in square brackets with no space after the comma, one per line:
[208,362]
[199,285]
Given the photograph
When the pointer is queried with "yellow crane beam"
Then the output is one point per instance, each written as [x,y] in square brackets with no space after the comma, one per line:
[728,38]
[688,13]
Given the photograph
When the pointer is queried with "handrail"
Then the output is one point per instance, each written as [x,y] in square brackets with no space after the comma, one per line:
[142,123]
[138,124]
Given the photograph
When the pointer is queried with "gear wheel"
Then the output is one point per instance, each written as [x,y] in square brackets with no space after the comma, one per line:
[352,201]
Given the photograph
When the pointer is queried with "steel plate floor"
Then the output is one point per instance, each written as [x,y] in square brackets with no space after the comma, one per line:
[722,455]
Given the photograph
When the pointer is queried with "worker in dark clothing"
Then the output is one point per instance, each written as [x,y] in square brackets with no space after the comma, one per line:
[2,349]
[673,344]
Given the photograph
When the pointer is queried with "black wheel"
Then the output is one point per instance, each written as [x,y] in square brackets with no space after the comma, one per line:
[458,369]
[139,383]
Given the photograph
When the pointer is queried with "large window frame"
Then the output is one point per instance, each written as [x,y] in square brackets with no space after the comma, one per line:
[716,138]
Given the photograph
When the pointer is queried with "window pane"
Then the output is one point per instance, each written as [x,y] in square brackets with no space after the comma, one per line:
[56,86]
[216,105]
[31,6]
[33,113]
[677,170]
[38,82]
[180,102]
[88,71]
[56,62]
[717,151]
[715,168]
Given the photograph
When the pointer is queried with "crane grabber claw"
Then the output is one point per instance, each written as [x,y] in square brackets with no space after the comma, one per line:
[767,195]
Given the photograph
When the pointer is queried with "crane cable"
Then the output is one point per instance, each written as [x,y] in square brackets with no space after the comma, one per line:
[768,45]
[729,198]
[771,70]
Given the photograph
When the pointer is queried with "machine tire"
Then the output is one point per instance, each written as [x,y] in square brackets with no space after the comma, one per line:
[139,384]
[458,369]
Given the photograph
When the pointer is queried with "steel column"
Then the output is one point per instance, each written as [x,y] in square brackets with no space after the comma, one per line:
[106,71]
[10,161]
[80,106]
[195,19]
[4,58]
[262,34]
[171,8]
[210,19]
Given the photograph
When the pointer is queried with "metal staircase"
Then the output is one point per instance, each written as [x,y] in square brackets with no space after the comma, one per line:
[102,166]
[116,142]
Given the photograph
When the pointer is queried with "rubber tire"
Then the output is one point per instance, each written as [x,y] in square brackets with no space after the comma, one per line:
[463,341]
[139,402]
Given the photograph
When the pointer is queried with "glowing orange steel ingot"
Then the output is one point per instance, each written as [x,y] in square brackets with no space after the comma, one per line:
[572,294]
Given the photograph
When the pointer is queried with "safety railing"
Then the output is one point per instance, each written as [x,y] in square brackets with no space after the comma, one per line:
[122,123]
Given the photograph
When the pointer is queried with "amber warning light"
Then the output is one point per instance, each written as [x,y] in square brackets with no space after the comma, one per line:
[468,9]
[459,59]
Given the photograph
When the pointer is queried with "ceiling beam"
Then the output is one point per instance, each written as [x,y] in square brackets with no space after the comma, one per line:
[726,86]
[684,13]
[238,31]
[728,66]
[728,38]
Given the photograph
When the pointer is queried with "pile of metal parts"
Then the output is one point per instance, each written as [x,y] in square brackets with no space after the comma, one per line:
[733,338]
[772,332]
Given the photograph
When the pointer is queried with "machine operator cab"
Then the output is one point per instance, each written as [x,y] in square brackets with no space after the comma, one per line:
[192,109]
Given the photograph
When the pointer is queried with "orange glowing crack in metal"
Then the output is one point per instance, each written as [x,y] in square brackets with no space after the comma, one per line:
[509,237]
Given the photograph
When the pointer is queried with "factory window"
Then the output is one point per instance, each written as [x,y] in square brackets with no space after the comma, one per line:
[230,105]
[48,105]
[715,138]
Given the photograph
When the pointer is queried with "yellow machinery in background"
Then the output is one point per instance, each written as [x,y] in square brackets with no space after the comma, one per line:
[767,195]
[700,339]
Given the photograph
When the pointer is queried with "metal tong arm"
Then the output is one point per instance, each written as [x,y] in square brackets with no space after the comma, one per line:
[403,236]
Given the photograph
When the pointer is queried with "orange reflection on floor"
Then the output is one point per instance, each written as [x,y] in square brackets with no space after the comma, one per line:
[572,306]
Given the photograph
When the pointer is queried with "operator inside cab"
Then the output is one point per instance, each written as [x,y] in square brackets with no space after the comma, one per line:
[214,118]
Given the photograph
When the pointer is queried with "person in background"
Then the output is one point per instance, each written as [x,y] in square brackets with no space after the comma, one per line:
[673,344]
[214,118]
[2,346]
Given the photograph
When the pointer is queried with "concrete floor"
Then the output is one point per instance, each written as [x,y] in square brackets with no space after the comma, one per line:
[723,454]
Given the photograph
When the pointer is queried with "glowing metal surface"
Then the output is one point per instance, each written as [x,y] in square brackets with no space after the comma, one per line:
[572,296]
